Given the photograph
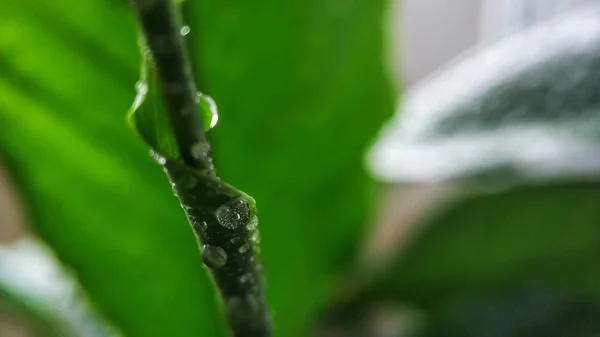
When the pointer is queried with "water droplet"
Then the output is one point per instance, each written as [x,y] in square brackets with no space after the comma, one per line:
[252,223]
[236,240]
[141,88]
[233,214]
[157,157]
[255,237]
[208,110]
[200,226]
[200,150]
[245,278]
[185,30]
[243,248]
[214,256]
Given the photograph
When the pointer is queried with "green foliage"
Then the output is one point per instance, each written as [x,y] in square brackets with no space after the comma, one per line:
[530,236]
[301,89]
[468,262]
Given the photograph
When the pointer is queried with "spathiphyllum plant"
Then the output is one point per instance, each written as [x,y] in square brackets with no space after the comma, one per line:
[483,223]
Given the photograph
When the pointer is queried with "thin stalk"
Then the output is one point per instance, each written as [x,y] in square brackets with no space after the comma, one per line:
[161,29]
[223,218]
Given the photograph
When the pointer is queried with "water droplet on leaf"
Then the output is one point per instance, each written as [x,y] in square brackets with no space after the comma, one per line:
[213,256]
[208,111]
[233,214]
[236,240]
[185,30]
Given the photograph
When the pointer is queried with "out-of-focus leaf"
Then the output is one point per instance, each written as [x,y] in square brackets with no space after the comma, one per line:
[528,105]
[530,313]
[36,287]
[535,237]
[67,75]
[301,90]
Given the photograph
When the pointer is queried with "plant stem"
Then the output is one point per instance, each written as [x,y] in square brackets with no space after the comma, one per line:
[223,218]
[161,26]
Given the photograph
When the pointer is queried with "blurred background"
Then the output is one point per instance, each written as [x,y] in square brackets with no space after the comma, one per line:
[421,168]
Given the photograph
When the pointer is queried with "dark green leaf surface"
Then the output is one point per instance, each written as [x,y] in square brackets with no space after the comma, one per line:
[538,237]
[301,90]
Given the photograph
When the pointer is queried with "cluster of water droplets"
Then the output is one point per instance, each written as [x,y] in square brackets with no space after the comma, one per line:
[158,157]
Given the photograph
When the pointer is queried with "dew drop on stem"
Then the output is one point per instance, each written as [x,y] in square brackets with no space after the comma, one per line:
[185,30]
[214,256]
[244,248]
[252,223]
[200,149]
[233,214]
[208,110]
[157,157]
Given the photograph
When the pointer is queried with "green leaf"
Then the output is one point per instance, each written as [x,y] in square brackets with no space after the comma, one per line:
[68,73]
[516,313]
[301,91]
[539,237]
[35,287]
[527,105]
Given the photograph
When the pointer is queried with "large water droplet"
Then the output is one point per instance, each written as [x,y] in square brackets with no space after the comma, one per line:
[185,30]
[233,214]
[208,110]
[157,157]
[214,256]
